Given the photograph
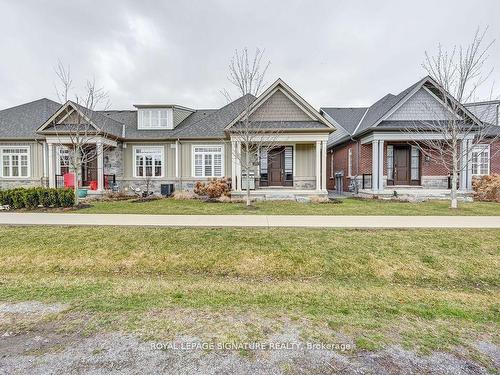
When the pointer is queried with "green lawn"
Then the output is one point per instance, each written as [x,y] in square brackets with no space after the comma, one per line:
[430,289]
[344,207]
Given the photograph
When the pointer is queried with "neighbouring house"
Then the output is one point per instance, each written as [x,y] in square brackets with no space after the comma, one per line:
[168,144]
[375,150]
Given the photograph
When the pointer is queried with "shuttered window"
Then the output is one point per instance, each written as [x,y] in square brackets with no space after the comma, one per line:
[208,161]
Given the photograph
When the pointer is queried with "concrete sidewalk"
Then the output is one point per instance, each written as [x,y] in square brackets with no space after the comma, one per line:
[263,221]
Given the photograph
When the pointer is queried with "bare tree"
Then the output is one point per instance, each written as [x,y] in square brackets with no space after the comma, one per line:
[247,75]
[459,74]
[78,131]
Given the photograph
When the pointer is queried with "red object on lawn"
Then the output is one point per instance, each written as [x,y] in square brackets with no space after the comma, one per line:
[69,180]
[93,185]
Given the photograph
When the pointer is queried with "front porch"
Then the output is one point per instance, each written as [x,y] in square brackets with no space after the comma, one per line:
[92,173]
[399,169]
[292,168]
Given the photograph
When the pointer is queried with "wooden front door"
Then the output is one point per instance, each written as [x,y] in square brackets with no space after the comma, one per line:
[276,166]
[401,165]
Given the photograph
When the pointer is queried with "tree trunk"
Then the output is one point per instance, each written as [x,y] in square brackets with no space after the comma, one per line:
[454,177]
[77,175]
[247,171]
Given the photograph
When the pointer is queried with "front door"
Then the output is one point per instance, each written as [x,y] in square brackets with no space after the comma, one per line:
[401,165]
[276,166]
[89,172]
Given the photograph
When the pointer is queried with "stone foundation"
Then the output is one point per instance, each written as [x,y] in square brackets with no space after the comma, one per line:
[11,184]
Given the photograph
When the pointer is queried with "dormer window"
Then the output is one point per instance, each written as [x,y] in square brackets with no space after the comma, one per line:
[155,118]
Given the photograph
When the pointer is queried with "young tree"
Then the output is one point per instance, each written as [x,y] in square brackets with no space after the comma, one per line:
[459,73]
[247,75]
[77,134]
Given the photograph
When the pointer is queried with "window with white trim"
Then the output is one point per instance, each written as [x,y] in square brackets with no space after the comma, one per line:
[208,161]
[155,118]
[480,160]
[415,163]
[15,161]
[63,160]
[148,161]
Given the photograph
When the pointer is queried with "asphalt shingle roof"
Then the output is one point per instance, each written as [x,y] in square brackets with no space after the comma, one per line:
[22,121]
[348,118]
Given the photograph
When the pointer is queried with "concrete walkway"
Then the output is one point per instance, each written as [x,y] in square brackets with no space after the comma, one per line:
[264,221]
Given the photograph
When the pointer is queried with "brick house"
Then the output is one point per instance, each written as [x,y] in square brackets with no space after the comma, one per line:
[375,150]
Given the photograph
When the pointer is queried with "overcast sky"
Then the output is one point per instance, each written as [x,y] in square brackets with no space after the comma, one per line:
[333,53]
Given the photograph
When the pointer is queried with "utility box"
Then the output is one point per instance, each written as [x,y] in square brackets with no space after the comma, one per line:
[248,181]
[339,182]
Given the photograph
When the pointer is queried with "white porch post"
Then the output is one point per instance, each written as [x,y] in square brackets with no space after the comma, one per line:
[318,165]
[377,165]
[100,166]
[238,166]
[465,165]
[233,165]
[323,165]
[51,166]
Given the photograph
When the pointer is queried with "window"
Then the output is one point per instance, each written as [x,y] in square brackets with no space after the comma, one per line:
[349,162]
[415,163]
[208,161]
[155,118]
[481,160]
[289,163]
[148,161]
[63,160]
[390,162]
[15,161]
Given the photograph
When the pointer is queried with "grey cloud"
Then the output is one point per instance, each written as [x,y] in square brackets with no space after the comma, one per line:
[331,52]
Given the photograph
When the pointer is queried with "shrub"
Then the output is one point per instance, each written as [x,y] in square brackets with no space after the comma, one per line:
[199,188]
[43,197]
[487,188]
[17,198]
[33,197]
[53,198]
[66,197]
[30,198]
[214,188]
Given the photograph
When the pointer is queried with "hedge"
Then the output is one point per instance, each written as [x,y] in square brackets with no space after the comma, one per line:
[35,197]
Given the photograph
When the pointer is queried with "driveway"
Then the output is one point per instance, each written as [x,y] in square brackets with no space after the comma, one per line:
[263,221]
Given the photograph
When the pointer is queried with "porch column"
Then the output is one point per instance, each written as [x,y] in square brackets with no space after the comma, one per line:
[100,166]
[323,165]
[238,166]
[318,165]
[51,166]
[465,165]
[377,165]
[233,165]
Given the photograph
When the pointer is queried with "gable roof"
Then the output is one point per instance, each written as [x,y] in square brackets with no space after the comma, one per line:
[21,122]
[280,85]
[488,111]
[100,122]
[378,112]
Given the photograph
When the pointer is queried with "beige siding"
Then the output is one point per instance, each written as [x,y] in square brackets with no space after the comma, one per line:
[305,160]
[279,108]
[180,115]
[128,158]
[35,157]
